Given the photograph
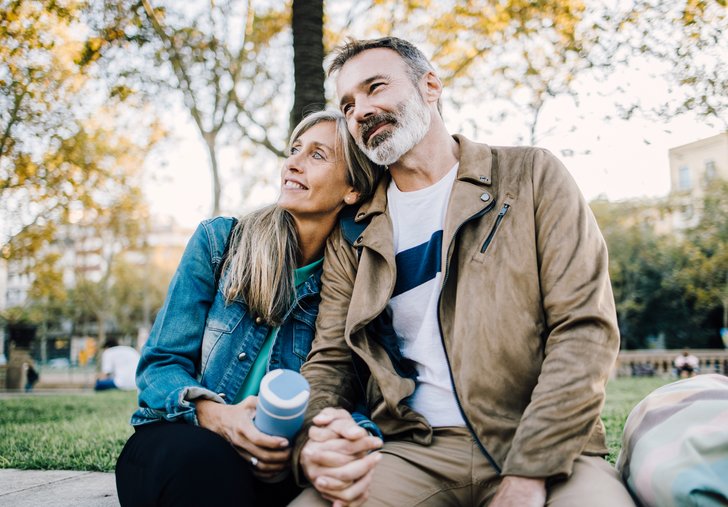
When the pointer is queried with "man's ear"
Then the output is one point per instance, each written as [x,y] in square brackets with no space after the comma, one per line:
[431,87]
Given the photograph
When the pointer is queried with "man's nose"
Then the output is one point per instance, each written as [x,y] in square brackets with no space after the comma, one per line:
[363,109]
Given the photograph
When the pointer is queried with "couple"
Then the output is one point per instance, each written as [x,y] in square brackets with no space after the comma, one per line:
[463,301]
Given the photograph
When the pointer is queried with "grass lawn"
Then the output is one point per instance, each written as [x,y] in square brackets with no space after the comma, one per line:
[87,431]
[65,432]
[622,395]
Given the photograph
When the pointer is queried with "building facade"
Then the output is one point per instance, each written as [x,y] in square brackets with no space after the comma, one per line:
[694,167]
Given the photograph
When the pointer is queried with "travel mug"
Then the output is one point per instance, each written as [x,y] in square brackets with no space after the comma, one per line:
[282,403]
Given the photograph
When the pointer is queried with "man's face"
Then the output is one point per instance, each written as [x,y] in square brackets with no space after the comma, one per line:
[385,111]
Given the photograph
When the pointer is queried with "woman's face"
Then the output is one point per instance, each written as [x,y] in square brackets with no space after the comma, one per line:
[313,180]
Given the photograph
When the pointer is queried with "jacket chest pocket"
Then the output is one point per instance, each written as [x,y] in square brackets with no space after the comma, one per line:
[296,334]
[304,329]
[486,242]
[222,320]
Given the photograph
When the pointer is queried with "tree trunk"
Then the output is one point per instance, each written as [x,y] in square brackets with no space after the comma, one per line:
[210,139]
[308,57]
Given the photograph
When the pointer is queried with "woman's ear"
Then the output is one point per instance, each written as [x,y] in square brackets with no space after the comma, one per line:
[352,197]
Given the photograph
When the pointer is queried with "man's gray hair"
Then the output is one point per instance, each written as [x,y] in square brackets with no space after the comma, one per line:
[417,63]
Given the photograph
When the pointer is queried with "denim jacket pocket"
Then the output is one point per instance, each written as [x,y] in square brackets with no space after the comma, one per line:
[303,333]
[221,322]
[304,329]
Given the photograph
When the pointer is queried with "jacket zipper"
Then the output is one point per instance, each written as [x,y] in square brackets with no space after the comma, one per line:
[492,232]
[442,336]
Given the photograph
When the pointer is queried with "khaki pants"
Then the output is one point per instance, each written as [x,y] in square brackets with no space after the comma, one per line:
[453,472]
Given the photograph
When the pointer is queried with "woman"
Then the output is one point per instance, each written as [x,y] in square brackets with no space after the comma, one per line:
[243,301]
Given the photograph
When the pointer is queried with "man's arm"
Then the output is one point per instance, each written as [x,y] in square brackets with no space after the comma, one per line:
[583,339]
[329,368]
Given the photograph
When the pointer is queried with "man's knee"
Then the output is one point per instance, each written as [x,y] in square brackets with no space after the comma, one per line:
[593,482]
[309,497]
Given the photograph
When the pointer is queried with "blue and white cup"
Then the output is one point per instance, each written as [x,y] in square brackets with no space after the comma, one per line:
[282,403]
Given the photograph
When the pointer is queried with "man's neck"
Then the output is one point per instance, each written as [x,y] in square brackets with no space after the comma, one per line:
[428,162]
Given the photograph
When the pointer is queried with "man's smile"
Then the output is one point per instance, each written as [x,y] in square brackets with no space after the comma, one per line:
[375,125]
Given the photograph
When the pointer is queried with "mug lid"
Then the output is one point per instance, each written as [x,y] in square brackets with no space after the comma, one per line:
[285,389]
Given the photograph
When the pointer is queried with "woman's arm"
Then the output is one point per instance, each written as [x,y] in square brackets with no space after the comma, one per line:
[170,361]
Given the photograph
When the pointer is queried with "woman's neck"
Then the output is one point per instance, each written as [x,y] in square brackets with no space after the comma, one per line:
[312,235]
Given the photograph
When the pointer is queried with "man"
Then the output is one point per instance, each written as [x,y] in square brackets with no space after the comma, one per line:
[469,301]
[118,367]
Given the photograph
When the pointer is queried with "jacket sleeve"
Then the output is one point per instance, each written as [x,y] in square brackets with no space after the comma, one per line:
[329,368]
[582,338]
[170,360]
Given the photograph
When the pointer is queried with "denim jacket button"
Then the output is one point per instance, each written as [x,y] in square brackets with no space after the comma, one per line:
[242,356]
[259,320]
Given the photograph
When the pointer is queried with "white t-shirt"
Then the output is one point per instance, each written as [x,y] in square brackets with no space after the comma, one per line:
[121,363]
[418,218]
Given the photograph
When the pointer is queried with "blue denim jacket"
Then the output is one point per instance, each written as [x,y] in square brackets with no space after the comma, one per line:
[201,347]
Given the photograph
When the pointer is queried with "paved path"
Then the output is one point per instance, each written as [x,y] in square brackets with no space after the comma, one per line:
[57,488]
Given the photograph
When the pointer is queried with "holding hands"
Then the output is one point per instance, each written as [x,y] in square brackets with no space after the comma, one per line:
[338,458]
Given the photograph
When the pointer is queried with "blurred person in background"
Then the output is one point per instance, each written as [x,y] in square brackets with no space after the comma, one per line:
[118,367]
[243,301]
[686,364]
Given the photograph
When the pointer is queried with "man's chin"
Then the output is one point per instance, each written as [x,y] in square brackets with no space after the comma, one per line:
[382,156]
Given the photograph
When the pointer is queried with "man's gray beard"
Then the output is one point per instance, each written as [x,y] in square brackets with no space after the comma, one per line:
[413,123]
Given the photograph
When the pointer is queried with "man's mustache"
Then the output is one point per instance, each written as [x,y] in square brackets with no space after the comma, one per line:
[366,126]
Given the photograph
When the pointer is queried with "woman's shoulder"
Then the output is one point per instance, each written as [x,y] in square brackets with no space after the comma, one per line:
[219,226]
[213,233]
[219,223]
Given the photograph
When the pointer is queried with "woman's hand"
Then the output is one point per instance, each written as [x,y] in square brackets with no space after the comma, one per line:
[268,455]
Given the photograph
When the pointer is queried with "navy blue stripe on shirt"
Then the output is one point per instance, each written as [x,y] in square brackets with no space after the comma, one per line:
[418,265]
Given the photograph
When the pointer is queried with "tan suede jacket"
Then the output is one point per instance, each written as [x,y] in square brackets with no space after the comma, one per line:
[526,314]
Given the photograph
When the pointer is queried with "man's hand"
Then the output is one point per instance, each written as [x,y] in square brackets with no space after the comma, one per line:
[268,455]
[520,492]
[338,458]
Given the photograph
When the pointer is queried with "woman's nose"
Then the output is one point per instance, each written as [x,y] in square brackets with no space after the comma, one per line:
[293,163]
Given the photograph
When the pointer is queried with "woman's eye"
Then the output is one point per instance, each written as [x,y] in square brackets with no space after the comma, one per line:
[318,155]
[293,150]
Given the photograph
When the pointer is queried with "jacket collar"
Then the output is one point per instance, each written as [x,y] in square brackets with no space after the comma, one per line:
[476,162]
[476,168]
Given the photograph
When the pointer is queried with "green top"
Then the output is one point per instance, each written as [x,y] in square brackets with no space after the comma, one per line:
[251,386]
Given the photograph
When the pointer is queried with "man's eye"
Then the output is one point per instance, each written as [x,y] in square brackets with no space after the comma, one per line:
[374,86]
[346,109]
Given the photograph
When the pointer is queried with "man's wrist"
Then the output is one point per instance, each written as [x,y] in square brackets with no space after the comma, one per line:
[530,484]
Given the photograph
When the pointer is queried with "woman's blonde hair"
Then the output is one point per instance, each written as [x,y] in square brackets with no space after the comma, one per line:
[264,245]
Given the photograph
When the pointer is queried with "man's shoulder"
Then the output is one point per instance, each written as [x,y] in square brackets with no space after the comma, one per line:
[479,153]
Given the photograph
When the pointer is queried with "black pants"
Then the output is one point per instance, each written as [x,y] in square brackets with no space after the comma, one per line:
[178,464]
